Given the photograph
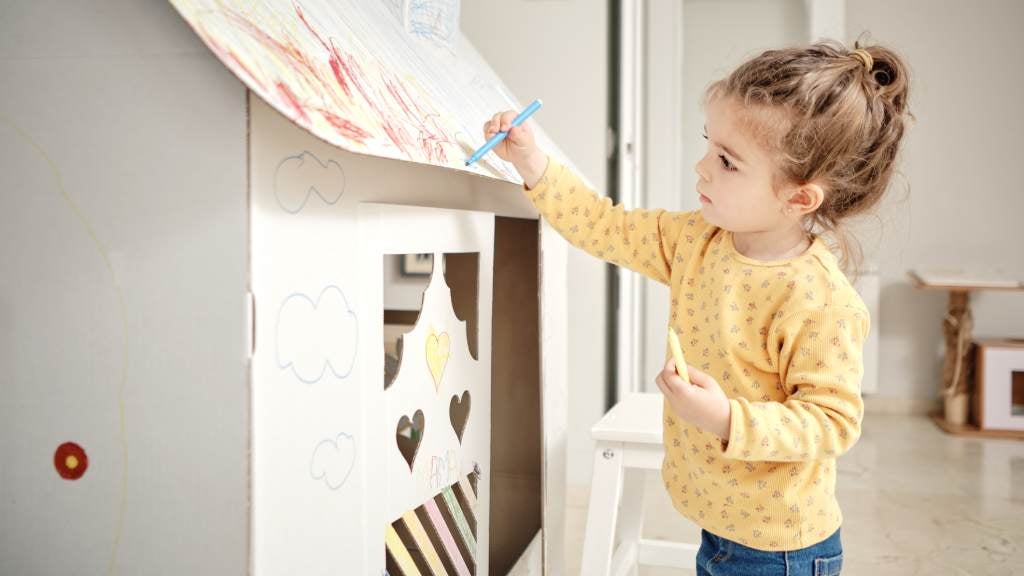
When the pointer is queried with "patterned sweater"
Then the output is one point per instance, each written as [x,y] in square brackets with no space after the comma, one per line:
[782,338]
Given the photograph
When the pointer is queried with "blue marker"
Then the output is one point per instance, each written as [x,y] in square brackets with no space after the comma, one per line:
[526,113]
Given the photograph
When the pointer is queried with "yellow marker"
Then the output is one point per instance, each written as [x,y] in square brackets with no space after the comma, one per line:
[677,353]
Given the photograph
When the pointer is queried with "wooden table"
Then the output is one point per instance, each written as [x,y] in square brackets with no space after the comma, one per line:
[957,327]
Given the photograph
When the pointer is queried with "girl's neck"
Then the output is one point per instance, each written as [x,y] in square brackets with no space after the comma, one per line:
[772,245]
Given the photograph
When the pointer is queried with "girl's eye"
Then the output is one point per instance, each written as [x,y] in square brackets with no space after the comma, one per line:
[725,161]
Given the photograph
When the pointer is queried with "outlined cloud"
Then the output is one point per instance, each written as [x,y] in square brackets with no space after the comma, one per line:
[297,178]
[333,460]
[314,336]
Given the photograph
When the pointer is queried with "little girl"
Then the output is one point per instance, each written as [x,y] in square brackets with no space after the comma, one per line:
[799,140]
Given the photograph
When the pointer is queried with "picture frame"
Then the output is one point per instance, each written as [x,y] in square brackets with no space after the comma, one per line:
[416,264]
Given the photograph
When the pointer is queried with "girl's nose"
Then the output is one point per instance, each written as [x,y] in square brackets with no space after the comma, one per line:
[699,169]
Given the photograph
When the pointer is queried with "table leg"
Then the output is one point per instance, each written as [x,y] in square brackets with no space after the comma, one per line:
[957,327]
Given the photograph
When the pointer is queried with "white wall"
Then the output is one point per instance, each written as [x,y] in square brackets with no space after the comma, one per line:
[962,161]
[557,51]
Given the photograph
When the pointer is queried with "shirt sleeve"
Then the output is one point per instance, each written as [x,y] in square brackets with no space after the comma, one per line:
[819,355]
[644,241]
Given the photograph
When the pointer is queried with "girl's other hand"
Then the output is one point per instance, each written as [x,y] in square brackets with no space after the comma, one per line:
[700,402]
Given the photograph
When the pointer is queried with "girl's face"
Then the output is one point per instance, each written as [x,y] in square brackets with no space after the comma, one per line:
[736,177]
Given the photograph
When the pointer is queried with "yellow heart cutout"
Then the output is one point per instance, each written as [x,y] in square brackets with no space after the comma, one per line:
[438,350]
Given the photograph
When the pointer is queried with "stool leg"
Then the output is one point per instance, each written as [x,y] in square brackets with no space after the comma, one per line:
[631,516]
[602,510]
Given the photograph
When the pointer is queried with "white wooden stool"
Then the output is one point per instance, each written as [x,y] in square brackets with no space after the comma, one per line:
[628,446]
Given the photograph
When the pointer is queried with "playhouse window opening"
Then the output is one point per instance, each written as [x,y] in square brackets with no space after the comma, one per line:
[406,278]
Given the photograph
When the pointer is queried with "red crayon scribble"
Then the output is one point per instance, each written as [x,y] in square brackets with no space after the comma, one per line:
[431,136]
[353,71]
[335,85]
[336,68]
[345,127]
[285,49]
[70,460]
[347,71]
[396,90]
[393,131]
[292,101]
[435,143]
[334,57]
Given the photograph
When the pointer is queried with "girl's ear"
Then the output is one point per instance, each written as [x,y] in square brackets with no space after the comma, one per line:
[805,199]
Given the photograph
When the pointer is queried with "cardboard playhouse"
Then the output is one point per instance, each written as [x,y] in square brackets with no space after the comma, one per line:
[272,326]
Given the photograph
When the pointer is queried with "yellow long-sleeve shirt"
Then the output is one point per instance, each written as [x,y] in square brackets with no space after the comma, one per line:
[783,339]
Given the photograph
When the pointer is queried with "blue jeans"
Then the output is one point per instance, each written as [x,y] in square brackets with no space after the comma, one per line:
[721,557]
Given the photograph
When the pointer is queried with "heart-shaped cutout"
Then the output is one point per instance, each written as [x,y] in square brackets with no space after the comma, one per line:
[438,350]
[409,434]
[458,412]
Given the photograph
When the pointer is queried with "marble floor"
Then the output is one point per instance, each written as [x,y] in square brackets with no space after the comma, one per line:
[915,500]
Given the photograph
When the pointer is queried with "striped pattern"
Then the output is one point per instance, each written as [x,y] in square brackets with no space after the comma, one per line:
[399,552]
[439,536]
[455,511]
[412,522]
[437,521]
[468,494]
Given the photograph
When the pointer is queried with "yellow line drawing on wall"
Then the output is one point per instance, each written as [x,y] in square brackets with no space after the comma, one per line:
[116,285]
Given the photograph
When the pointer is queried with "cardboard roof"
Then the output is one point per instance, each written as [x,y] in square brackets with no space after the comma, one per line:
[367,76]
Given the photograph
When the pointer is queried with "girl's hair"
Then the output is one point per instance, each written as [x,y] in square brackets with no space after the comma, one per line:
[829,115]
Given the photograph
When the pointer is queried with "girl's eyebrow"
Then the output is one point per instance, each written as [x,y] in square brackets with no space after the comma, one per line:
[724,147]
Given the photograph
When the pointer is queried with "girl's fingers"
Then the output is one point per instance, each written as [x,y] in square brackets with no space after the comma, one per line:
[670,372]
[697,376]
[506,120]
[515,135]
[670,365]
[702,379]
[673,382]
[661,385]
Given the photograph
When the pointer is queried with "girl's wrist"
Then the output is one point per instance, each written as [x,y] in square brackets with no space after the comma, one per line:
[725,424]
[532,167]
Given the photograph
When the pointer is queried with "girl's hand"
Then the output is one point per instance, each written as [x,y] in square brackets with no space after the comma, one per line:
[700,402]
[519,147]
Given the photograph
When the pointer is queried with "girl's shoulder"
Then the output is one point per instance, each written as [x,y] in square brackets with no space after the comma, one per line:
[818,284]
[694,226]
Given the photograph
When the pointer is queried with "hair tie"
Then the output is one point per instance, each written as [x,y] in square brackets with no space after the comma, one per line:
[863,55]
